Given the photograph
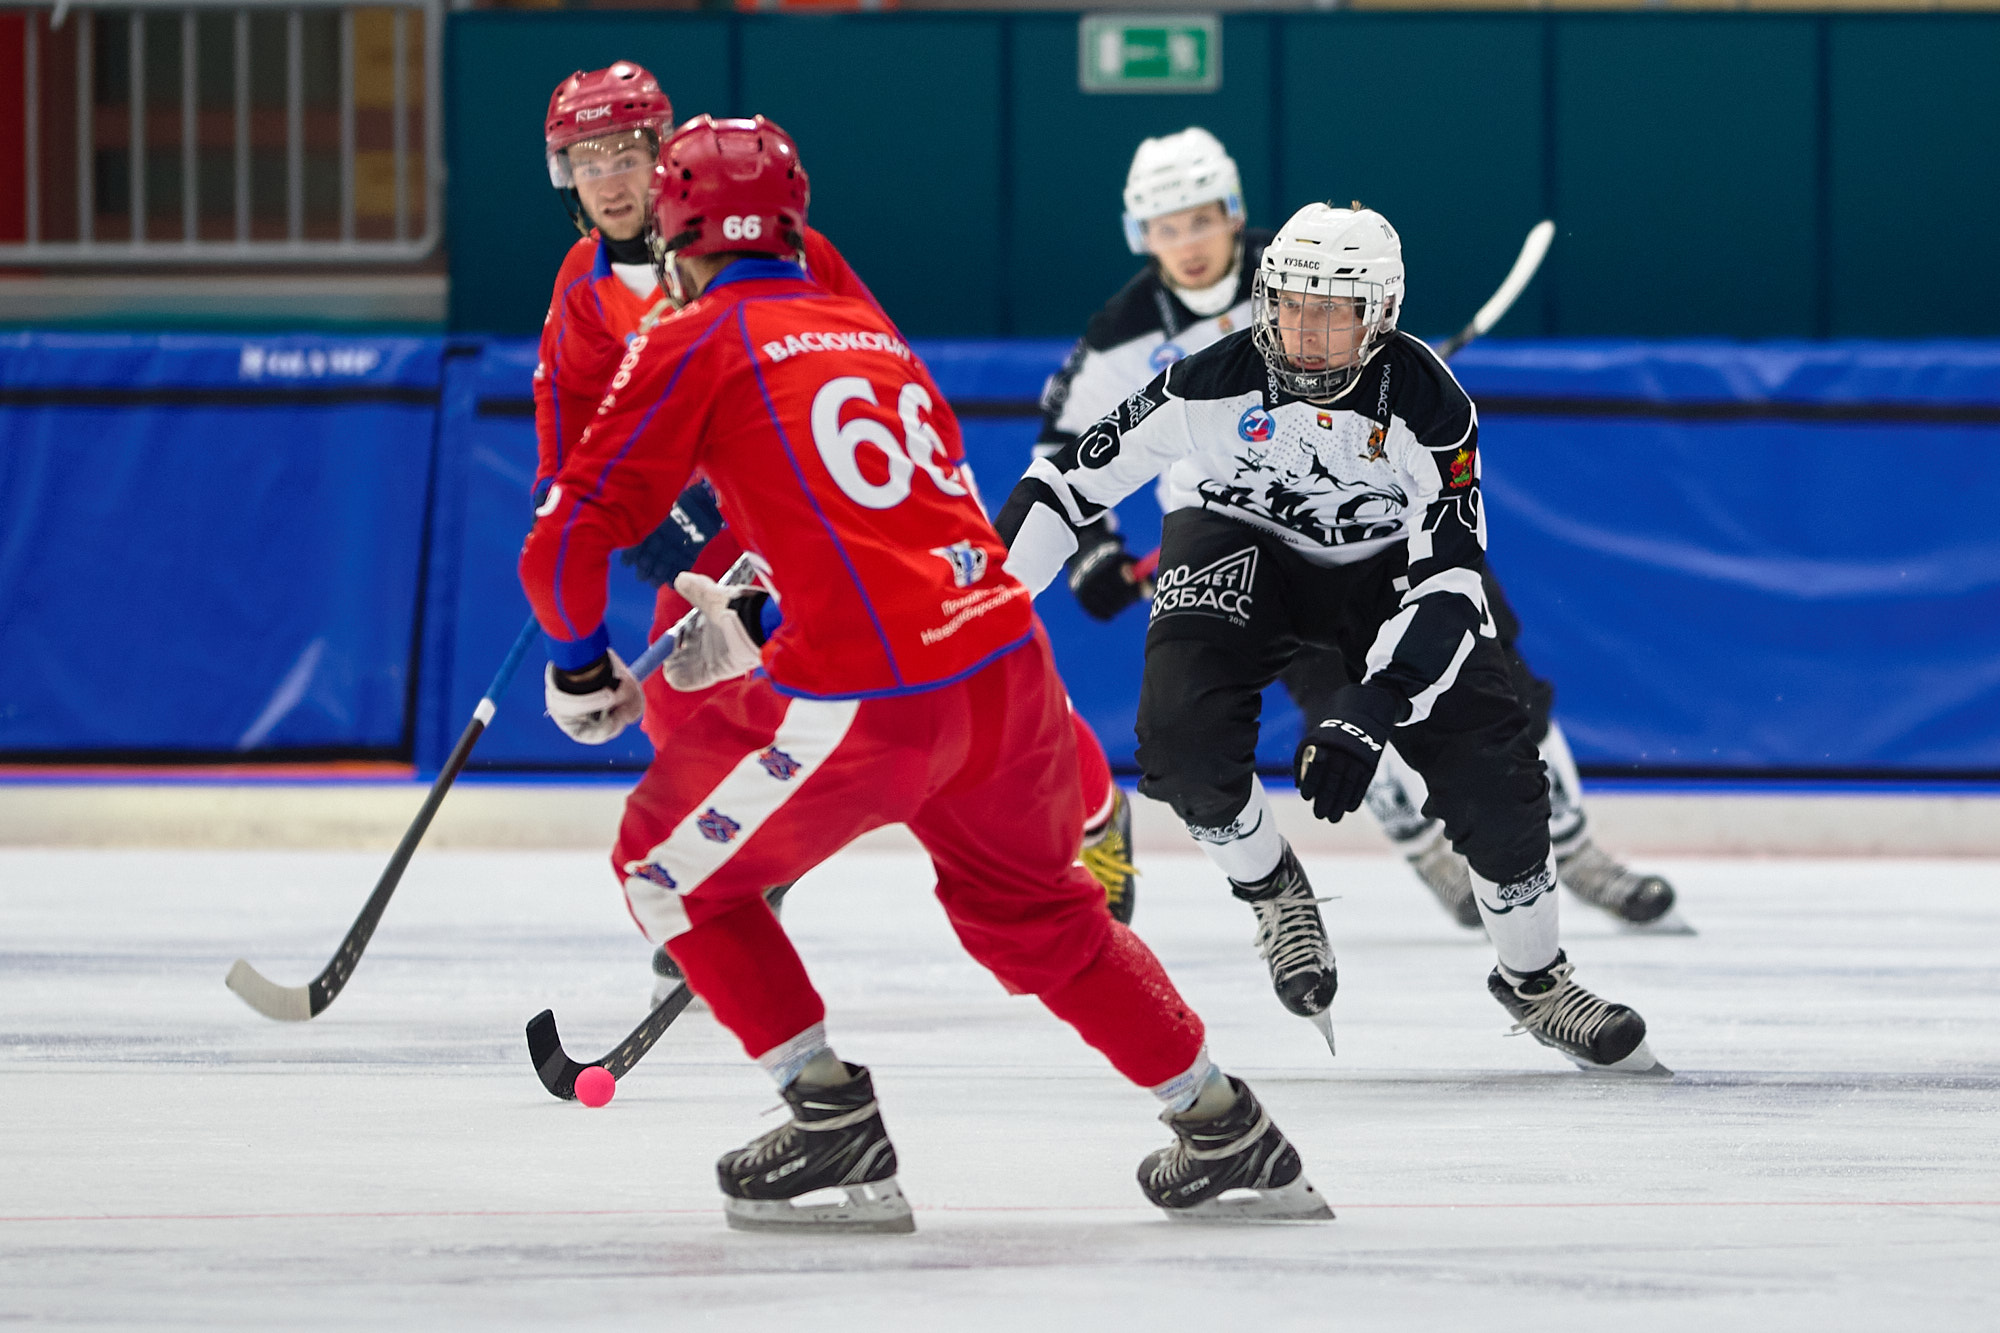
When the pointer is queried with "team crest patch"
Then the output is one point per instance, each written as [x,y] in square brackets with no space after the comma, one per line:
[716,826]
[1165,355]
[646,870]
[1255,425]
[968,562]
[1459,473]
[1324,420]
[1224,324]
[1377,445]
[779,764]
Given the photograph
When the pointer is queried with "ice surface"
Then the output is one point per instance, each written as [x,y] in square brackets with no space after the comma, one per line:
[1828,1158]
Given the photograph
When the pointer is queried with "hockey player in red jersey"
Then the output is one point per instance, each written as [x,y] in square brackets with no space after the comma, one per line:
[601,136]
[908,683]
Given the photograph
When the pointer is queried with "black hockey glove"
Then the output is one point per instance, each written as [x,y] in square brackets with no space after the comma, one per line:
[1104,579]
[1336,759]
[671,549]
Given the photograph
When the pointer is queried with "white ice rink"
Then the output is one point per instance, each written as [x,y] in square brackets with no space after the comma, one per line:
[1828,1158]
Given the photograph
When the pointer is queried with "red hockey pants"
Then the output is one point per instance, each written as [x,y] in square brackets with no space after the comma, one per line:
[756,788]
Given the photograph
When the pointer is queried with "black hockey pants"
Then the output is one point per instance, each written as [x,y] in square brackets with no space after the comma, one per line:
[1235,608]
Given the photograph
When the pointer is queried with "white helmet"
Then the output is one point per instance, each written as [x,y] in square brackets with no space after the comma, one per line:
[1178,171]
[1351,254]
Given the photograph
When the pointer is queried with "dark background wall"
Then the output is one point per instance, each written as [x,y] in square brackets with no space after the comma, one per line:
[1736,175]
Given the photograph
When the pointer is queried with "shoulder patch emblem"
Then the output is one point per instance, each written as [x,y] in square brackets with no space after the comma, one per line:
[1255,425]
[646,870]
[1325,420]
[1165,355]
[1377,446]
[968,566]
[1459,473]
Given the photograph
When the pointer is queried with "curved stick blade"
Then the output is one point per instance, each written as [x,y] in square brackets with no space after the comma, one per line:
[552,1064]
[287,1004]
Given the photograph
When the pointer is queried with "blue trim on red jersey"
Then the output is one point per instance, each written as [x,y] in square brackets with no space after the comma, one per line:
[771,409]
[576,654]
[754,268]
[601,266]
[900,691]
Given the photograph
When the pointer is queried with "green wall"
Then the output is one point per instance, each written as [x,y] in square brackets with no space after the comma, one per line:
[1739,175]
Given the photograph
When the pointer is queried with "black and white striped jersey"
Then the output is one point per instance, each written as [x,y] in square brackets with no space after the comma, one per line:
[1392,459]
[1141,331]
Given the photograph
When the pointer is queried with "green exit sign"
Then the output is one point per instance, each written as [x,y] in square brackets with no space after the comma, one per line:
[1125,53]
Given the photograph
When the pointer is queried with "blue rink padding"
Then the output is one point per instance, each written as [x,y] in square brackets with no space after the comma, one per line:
[475,603]
[210,544]
[1746,559]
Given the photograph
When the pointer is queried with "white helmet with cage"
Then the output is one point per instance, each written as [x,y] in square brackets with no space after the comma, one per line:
[1330,283]
[1178,171]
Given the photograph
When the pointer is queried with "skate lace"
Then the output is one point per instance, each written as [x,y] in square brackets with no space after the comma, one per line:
[1181,1155]
[1566,1012]
[1108,861]
[1592,873]
[1290,936]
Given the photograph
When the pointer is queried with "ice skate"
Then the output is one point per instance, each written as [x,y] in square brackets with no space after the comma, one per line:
[1236,1167]
[1642,904]
[1445,874]
[1594,1033]
[667,973]
[1107,855]
[1291,938]
[831,1167]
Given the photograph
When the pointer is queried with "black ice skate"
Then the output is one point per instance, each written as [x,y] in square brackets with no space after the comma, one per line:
[1237,1167]
[667,973]
[833,1142]
[1107,855]
[1292,940]
[1640,903]
[1595,1034]
[1445,873]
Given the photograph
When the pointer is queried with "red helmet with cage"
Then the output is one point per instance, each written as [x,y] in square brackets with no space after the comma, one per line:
[598,103]
[726,185]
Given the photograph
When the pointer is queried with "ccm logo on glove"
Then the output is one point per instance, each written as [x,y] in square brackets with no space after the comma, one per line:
[1336,760]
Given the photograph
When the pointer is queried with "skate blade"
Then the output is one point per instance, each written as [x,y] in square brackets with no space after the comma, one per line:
[878,1208]
[1668,922]
[1641,1063]
[1296,1202]
[1323,1020]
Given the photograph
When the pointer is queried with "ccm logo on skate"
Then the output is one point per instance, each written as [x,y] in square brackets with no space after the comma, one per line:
[1353,731]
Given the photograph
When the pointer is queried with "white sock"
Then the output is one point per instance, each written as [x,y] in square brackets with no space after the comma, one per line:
[1566,819]
[1202,1078]
[784,1061]
[1520,918]
[1249,847]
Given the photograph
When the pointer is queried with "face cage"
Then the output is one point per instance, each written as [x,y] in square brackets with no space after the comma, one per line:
[1314,384]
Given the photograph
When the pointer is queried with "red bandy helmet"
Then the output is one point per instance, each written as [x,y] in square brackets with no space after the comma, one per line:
[730,185]
[603,104]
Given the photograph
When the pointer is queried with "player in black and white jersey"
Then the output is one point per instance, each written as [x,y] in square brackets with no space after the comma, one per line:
[1323,491]
[1183,208]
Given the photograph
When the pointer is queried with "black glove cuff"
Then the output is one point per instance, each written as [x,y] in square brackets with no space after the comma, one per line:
[599,675]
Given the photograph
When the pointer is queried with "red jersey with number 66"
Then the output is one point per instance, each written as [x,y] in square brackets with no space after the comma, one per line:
[835,458]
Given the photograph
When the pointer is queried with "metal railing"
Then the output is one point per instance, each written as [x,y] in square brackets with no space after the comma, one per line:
[330,152]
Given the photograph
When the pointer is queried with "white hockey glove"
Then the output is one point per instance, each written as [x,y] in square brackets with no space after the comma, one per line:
[595,704]
[711,643]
